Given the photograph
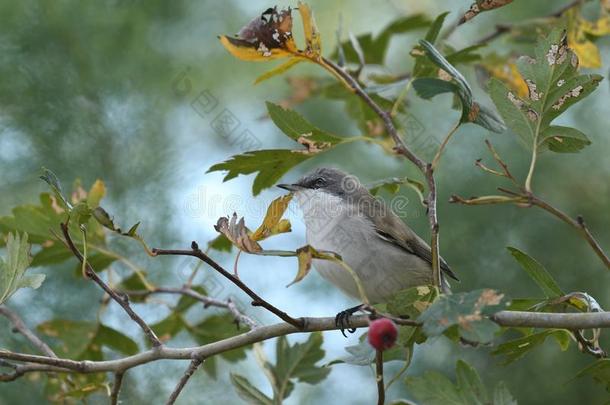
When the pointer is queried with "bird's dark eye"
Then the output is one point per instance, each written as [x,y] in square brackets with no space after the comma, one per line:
[320,182]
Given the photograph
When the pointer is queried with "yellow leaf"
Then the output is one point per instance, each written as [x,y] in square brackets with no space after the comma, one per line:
[507,72]
[272,224]
[578,28]
[278,69]
[245,50]
[96,193]
[305,256]
[312,35]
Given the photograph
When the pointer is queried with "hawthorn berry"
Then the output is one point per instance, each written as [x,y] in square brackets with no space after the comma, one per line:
[382,333]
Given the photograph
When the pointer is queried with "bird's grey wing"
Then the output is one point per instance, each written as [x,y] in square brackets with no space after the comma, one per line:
[392,229]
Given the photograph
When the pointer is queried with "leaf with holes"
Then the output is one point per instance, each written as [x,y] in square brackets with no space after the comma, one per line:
[553,86]
[469,311]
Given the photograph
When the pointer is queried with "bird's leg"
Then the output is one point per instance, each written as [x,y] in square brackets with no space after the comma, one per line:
[342,319]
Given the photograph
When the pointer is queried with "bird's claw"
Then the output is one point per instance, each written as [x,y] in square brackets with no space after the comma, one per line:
[342,320]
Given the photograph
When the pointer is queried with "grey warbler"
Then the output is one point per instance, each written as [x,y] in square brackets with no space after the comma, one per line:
[342,216]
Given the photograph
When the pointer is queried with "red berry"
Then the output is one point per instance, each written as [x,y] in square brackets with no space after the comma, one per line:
[382,333]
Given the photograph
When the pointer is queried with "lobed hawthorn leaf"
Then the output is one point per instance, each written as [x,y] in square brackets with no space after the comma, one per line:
[14,266]
[270,166]
[468,311]
[296,127]
[517,348]
[537,272]
[434,388]
[553,86]
[375,48]
[298,362]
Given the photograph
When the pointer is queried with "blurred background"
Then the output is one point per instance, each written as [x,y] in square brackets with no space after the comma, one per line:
[113,90]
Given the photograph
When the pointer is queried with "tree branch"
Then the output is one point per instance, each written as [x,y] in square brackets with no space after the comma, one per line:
[379,377]
[187,375]
[256,299]
[116,388]
[20,326]
[571,321]
[122,301]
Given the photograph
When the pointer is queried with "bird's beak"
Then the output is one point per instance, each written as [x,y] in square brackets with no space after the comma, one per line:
[289,187]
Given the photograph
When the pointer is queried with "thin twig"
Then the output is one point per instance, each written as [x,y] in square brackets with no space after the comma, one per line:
[379,377]
[187,375]
[441,148]
[20,326]
[205,300]
[578,224]
[121,300]
[116,388]
[256,299]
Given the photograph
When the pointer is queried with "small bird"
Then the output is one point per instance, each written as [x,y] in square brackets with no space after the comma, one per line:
[343,217]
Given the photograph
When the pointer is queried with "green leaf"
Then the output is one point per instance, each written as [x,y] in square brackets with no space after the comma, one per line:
[428,87]
[186,302]
[215,328]
[99,262]
[553,86]
[295,126]
[248,392]
[52,254]
[169,327]
[433,388]
[517,348]
[51,179]
[36,220]
[469,311]
[270,166]
[563,139]
[471,110]
[220,243]
[537,272]
[12,269]
[115,340]
[375,49]
[599,371]
[74,337]
[297,362]
[435,27]
[514,111]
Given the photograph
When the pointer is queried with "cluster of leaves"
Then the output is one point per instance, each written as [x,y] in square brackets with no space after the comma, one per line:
[529,93]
